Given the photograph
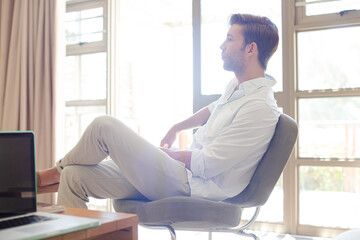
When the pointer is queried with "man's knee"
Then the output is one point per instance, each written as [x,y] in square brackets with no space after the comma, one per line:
[70,175]
[107,123]
[102,120]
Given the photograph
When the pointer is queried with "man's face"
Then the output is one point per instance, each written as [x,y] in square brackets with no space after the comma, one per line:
[233,49]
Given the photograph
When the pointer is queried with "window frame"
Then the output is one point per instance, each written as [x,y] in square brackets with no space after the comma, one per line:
[93,47]
[88,48]
[302,23]
[199,100]
[334,19]
[294,20]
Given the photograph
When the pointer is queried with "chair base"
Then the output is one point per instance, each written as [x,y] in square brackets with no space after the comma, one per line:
[239,230]
[242,233]
[173,234]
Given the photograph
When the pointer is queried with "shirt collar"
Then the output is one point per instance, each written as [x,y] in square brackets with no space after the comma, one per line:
[250,86]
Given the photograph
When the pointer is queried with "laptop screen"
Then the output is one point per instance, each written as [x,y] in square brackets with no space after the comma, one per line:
[17,173]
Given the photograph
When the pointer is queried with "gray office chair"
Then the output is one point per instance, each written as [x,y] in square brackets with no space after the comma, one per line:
[192,214]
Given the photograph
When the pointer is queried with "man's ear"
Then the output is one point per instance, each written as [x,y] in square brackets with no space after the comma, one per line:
[252,48]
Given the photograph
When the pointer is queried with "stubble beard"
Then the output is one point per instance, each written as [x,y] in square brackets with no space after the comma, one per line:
[233,67]
[236,66]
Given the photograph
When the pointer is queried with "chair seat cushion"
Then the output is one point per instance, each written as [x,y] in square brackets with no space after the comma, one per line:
[182,212]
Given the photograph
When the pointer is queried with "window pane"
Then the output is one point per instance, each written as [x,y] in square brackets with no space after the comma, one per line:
[330,196]
[325,62]
[85,77]
[84,26]
[154,66]
[273,210]
[214,27]
[77,119]
[314,7]
[329,127]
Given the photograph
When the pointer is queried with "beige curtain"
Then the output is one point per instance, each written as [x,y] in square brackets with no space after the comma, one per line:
[28,72]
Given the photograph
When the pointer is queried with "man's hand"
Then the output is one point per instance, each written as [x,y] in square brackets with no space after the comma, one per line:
[196,120]
[169,138]
[183,156]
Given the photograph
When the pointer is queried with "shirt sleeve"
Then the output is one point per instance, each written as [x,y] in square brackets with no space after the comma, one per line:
[212,106]
[242,143]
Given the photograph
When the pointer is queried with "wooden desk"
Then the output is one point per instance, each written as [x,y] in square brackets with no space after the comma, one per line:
[119,226]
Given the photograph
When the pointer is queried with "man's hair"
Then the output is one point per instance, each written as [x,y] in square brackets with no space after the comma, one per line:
[259,30]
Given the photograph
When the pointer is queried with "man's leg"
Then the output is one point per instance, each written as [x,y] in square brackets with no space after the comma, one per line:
[104,180]
[148,169]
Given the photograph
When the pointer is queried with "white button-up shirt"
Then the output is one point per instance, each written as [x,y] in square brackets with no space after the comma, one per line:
[227,149]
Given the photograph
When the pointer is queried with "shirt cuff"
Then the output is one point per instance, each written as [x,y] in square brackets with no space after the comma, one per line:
[197,163]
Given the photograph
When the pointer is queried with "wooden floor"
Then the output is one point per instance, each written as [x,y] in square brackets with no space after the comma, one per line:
[276,236]
[159,234]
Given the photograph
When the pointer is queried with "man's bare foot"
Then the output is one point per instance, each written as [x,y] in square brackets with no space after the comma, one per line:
[47,177]
[48,189]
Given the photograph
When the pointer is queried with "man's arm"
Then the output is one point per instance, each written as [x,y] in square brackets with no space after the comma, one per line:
[196,120]
[240,144]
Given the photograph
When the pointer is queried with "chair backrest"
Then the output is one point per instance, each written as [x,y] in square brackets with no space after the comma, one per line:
[271,165]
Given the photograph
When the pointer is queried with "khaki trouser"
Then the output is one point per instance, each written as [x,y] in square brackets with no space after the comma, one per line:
[136,169]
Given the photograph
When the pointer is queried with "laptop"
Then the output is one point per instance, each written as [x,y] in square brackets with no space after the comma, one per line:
[18,201]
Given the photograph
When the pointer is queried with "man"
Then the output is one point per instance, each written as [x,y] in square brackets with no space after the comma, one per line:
[234,134]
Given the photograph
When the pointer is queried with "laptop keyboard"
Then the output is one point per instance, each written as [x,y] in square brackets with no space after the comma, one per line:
[22,221]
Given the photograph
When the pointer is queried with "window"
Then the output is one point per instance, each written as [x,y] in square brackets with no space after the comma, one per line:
[85,78]
[329,127]
[322,188]
[316,7]
[85,82]
[153,78]
[319,53]
[326,105]
[140,72]
[324,12]
[84,26]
